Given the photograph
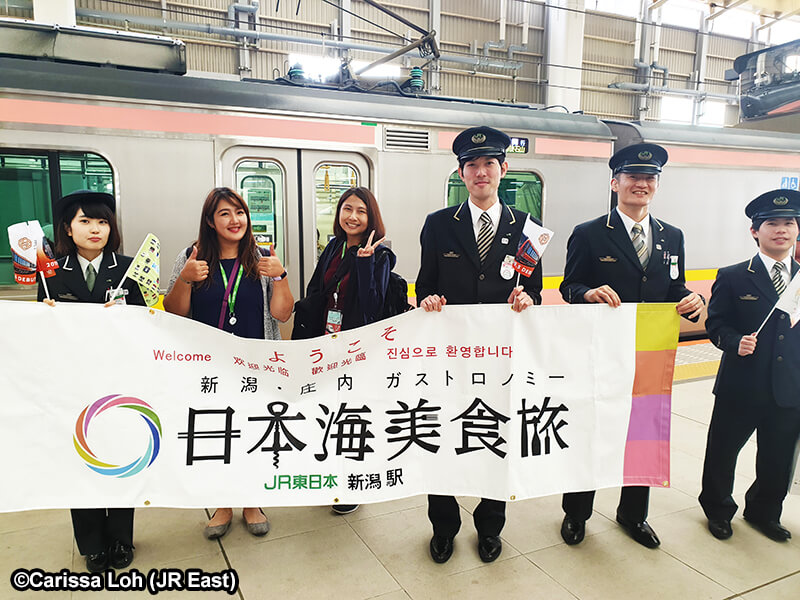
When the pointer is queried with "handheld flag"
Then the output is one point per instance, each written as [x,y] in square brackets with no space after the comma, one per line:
[789,302]
[30,253]
[532,244]
[145,270]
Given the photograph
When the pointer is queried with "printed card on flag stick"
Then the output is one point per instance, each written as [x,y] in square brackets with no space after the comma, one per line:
[532,244]
[145,270]
[31,253]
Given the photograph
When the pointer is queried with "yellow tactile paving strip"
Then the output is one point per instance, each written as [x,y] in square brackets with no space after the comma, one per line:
[696,360]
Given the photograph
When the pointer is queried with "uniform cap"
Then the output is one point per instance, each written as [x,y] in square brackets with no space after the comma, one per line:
[639,158]
[82,197]
[773,204]
[480,141]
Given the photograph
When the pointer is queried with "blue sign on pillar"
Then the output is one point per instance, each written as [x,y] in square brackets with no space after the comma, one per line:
[789,183]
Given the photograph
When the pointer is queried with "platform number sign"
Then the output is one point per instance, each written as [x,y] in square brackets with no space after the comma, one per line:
[789,183]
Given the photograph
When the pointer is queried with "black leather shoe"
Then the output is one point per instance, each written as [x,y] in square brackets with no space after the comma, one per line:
[97,563]
[489,548]
[120,555]
[641,532]
[720,528]
[441,548]
[572,530]
[772,529]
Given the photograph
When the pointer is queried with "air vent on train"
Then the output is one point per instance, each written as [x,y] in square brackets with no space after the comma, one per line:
[406,139]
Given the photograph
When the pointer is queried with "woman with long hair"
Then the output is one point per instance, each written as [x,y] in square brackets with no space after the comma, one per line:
[353,270]
[87,239]
[223,280]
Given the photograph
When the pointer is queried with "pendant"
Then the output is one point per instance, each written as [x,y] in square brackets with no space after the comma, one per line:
[232,320]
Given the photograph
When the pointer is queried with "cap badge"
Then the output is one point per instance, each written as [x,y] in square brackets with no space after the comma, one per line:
[645,155]
[478,138]
[780,201]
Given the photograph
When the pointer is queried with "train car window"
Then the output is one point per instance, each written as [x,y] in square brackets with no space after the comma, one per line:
[260,183]
[330,180]
[519,189]
[30,180]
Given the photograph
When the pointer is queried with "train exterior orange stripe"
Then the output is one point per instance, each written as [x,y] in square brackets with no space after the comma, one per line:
[172,121]
[572,148]
[732,158]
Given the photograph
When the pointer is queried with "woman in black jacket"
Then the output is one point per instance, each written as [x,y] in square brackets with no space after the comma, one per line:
[89,269]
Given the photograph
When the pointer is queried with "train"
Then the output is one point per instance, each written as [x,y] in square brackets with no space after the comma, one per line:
[159,142]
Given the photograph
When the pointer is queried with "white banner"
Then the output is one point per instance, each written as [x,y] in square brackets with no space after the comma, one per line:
[129,406]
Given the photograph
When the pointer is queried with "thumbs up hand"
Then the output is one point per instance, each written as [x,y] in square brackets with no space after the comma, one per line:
[194,270]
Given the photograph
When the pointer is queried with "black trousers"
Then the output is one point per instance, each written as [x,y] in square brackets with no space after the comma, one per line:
[732,423]
[634,502]
[489,516]
[97,528]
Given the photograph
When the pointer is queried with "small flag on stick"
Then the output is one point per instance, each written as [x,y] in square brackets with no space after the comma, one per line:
[145,270]
[532,244]
[789,302]
[31,253]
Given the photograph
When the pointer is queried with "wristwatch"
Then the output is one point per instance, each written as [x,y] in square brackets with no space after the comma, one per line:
[283,275]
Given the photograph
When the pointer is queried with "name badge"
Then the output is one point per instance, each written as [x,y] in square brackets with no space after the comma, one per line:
[119,298]
[673,267]
[507,267]
[333,324]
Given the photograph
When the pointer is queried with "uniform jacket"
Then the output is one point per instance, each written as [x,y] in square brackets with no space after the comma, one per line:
[450,265]
[69,283]
[741,298]
[600,252]
[369,279]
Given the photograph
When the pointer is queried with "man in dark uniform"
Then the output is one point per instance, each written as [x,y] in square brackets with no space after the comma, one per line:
[466,259]
[758,382]
[626,256]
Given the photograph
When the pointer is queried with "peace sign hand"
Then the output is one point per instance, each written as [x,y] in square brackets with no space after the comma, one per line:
[369,247]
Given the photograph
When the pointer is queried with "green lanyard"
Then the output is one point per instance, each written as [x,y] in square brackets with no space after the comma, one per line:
[232,299]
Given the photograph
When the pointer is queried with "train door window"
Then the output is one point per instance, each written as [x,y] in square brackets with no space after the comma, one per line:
[31,180]
[330,180]
[519,189]
[261,184]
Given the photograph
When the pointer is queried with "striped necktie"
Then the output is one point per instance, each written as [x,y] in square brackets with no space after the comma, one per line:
[485,236]
[777,277]
[639,245]
[91,276]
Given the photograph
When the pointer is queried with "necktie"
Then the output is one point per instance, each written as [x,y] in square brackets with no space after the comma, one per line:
[485,236]
[91,275]
[639,245]
[777,277]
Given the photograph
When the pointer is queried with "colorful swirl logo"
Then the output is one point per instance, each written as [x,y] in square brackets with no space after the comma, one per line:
[80,439]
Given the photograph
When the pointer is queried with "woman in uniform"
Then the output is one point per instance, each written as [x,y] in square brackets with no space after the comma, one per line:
[87,239]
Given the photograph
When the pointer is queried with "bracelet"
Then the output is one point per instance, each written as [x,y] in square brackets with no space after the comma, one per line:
[281,277]
[184,281]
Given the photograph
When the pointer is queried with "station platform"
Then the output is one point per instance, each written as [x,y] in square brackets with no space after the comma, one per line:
[380,552]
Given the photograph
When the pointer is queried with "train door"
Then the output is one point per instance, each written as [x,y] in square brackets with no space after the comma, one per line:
[292,196]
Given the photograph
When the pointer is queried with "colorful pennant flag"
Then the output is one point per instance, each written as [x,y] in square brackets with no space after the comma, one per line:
[30,252]
[532,244]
